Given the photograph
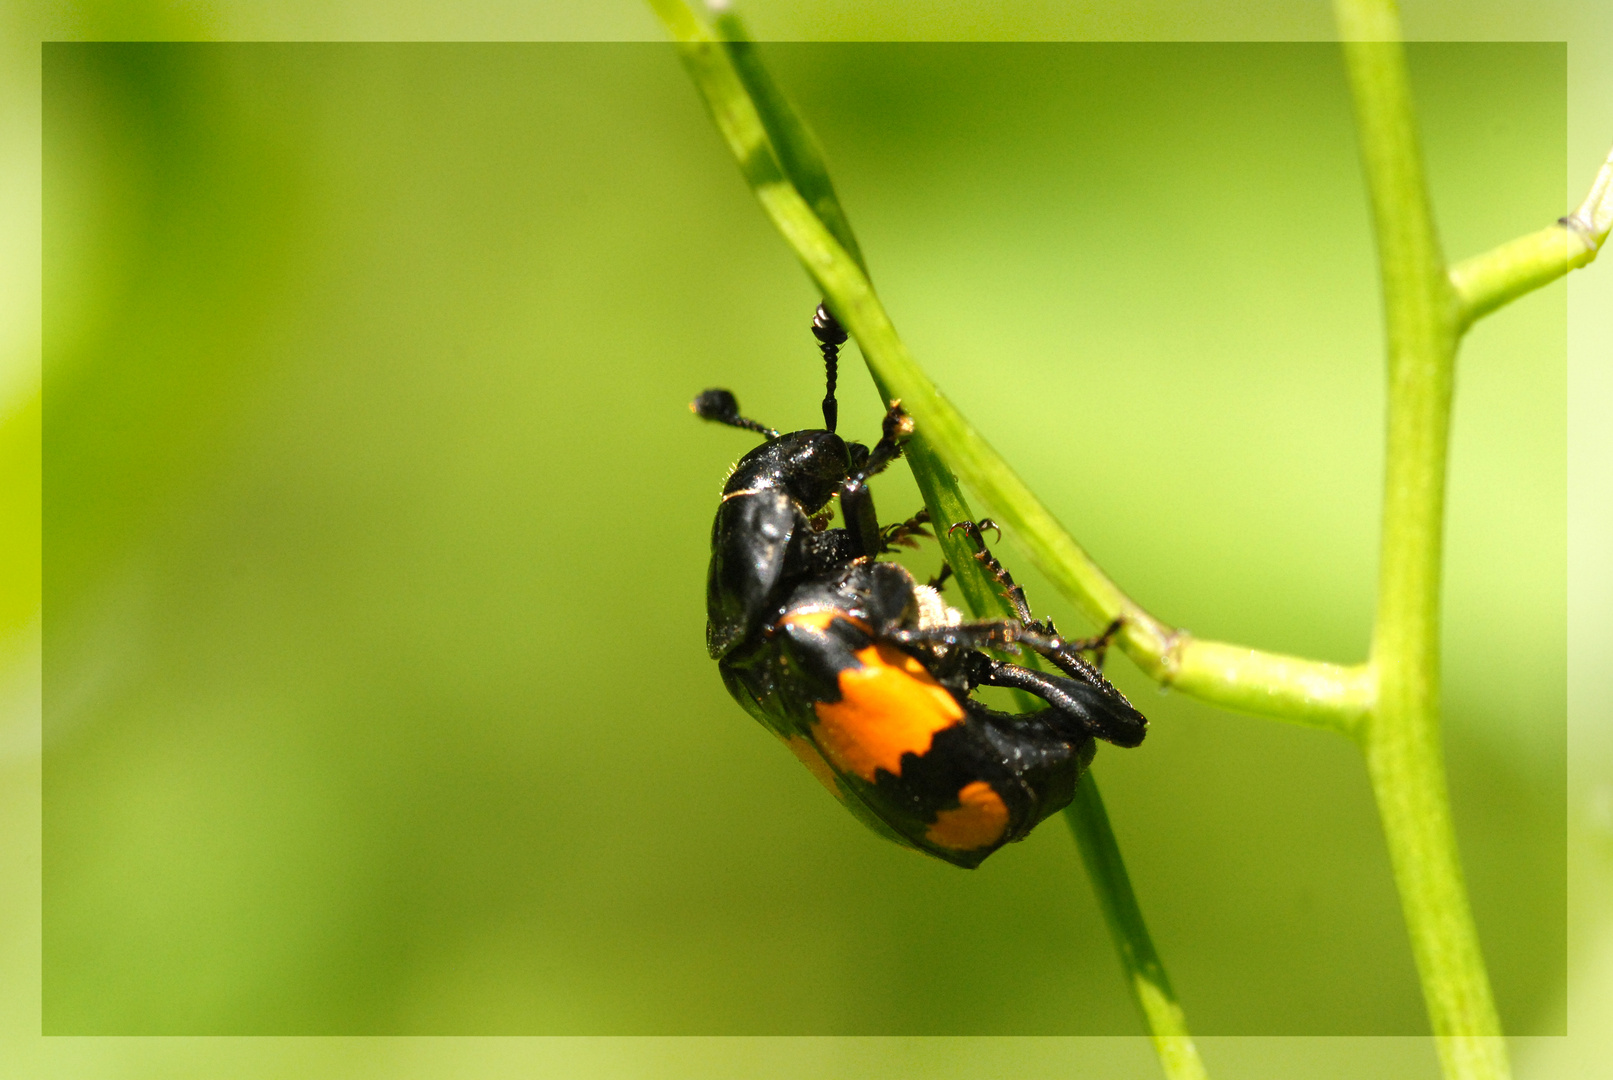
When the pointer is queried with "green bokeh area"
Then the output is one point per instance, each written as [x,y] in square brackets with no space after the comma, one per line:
[375,532]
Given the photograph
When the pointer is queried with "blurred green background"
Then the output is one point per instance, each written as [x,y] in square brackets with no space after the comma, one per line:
[375,694]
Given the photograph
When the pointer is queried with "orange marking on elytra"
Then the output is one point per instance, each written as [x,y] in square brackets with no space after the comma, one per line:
[888,707]
[978,821]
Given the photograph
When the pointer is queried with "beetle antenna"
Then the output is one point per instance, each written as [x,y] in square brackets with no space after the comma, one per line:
[721,407]
[831,335]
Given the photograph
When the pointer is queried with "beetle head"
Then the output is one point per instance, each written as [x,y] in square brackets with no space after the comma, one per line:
[808,466]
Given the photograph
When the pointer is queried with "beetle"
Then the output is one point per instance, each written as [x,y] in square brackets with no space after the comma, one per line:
[866,674]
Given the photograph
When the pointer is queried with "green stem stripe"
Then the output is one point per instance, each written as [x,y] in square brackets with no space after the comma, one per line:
[1486,282]
[782,161]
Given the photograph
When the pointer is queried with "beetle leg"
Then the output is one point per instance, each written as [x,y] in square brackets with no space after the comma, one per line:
[1012,590]
[997,634]
[991,634]
[1099,644]
[904,534]
[856,502]
[1108,716]
[974,529]
[893,433]
[1096,645]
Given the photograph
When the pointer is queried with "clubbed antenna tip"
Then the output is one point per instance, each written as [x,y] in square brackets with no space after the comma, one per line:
[831,335]
[826,328]
[721,407]
[718,405]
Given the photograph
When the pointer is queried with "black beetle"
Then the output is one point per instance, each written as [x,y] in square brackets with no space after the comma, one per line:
[866,674]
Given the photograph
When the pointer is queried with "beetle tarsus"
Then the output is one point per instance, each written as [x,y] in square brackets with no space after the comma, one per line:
[895,430]
[907,533]
[1011,590]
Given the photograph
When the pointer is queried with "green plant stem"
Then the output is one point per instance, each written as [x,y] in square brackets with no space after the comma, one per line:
[1150,986]
[799,154]
[1144,972]
[1401,736]
[779,157]
[1502,274]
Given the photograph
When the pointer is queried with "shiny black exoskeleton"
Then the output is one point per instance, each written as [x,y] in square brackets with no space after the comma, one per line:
[867,675]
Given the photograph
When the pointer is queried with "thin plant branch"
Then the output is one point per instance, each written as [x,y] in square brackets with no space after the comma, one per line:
[1401,735]
[1150,987]
[1485,282]
[1298,690]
